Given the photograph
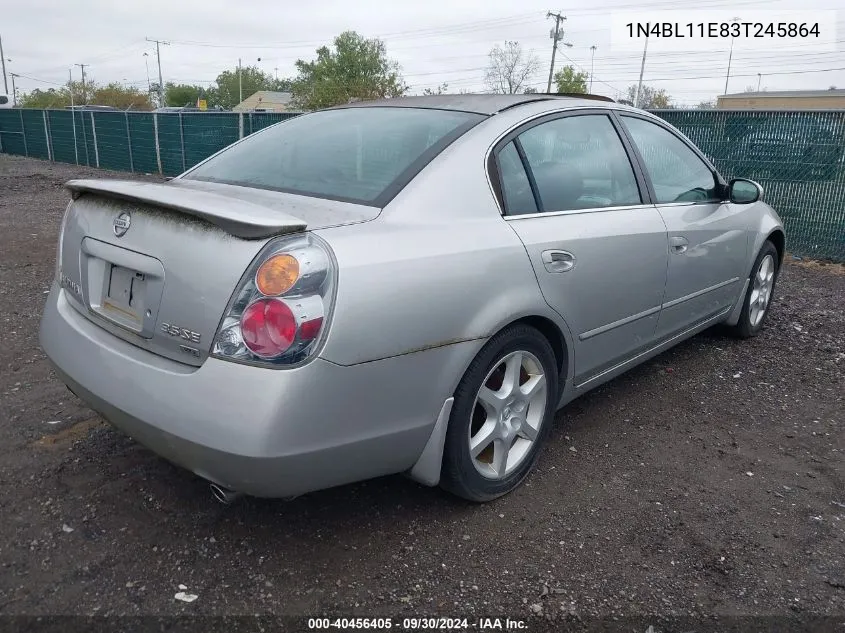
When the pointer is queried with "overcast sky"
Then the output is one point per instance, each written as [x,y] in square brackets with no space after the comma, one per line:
[435,41]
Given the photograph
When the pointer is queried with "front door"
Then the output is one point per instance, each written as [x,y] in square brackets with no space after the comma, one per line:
[599,252]
[707,236]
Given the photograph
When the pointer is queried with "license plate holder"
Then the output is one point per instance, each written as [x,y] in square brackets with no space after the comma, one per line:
[124,295]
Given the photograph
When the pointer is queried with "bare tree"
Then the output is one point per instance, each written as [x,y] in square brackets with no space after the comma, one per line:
[510,68]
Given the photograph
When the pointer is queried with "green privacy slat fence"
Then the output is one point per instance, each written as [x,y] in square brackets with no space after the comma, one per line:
[798,156]
[146,142]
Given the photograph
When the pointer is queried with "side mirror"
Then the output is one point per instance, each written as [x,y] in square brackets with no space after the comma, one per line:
[742,191]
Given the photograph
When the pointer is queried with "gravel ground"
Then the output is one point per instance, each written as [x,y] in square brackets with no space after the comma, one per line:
[708,481]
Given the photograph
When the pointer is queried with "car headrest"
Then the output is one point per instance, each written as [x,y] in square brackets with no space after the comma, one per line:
[560,185]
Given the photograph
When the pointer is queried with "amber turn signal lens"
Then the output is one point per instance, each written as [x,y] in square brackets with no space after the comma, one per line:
[277,275]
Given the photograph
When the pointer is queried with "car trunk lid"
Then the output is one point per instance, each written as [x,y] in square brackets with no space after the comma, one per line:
[156,263]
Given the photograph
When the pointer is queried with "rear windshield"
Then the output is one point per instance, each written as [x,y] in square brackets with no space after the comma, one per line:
[363,155]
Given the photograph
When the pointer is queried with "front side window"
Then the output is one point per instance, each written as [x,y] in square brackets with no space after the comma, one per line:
[677,173]
[579,162]
[356,154]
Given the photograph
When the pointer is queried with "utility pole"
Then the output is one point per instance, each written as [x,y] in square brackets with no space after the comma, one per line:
[240,83]
[730,55]
[147,64]
[640,82]
[592,65]
[555,35]
[3,62]
[277,72]
[72,113]
[84,92]
[162,99]
[14,91]
[759,79]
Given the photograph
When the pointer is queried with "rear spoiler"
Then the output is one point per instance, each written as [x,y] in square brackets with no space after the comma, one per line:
[240,218]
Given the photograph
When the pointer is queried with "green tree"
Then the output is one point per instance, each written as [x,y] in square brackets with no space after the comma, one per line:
[567,80]
[184,94]
[509,68]
[119,96]
[650,98]
[56,97]
[228,90]
[50,98]
[706,105]
[357,69]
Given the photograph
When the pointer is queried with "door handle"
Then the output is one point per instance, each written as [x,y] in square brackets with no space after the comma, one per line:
[678,244]
[558,261]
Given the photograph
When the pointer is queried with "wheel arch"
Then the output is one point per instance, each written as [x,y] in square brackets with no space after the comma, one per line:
[553,334]
[428,467]
[778,238]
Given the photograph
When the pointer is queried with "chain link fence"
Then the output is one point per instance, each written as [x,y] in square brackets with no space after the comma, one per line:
[798,156]
[166,143]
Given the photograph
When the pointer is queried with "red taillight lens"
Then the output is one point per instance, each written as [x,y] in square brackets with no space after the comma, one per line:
[309,330]
[268,327]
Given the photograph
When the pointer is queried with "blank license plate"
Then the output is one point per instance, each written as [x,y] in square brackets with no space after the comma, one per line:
[125,295]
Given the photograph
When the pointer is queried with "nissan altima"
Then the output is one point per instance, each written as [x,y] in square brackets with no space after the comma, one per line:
[414,285]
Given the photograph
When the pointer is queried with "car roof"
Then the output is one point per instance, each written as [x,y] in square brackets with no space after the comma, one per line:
[478,103]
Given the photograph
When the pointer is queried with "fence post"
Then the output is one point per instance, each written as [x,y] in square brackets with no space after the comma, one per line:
[129,144]
[84,136]
[155,133]
[94,134]
[240,124]
[250,123]
[75,145]
[47,136]
[182,139]
[23,134]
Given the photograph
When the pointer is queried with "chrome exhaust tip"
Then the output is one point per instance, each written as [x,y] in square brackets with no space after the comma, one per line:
[224,495]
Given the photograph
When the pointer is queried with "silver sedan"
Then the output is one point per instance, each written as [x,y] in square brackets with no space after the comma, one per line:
[411,286]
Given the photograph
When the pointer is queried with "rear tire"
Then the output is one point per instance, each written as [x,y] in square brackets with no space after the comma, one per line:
[758,298]
[503,411]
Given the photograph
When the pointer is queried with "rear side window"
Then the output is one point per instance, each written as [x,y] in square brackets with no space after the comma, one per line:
[519,198]
[363,155]
[579,162]
[572,163]
[677,173]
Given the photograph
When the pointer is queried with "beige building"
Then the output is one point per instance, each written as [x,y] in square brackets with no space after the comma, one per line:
[784,100]
[265,101]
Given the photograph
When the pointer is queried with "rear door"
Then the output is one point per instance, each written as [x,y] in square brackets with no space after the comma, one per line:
[573,196]
[707,235]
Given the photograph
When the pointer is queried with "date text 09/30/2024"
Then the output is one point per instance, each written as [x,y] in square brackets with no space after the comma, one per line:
[768,30]
[418,624]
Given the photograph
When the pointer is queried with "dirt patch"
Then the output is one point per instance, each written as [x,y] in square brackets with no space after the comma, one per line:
[68,436]
[710,480]
[833,268]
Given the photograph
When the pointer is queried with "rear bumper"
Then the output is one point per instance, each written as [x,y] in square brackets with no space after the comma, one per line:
[264,432]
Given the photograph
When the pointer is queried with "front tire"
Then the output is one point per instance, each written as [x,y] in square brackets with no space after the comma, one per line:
[761,289]
[503,411]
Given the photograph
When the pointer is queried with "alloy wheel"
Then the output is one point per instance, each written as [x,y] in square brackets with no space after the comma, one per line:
[761,290]
[507,415]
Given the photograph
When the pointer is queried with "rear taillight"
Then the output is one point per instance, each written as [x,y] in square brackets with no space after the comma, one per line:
[279,313]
